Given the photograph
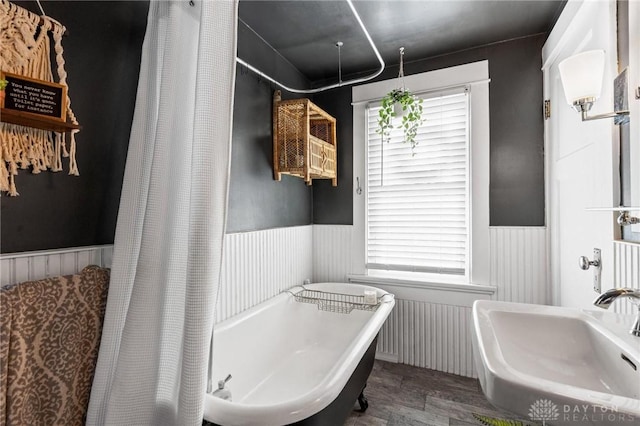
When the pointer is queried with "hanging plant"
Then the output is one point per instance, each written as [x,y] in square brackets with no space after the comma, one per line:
[400,102]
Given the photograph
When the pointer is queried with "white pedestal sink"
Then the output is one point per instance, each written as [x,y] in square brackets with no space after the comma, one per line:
[558,365]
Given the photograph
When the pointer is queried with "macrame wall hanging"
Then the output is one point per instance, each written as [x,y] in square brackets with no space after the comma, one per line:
[25,50]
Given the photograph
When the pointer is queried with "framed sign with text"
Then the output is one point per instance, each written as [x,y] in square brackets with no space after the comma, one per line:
[35,97]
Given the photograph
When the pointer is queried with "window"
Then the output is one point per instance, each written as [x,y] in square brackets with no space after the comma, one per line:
[417,201]
[425,218]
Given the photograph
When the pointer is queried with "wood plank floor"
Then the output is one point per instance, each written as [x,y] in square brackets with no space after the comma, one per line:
[402,395]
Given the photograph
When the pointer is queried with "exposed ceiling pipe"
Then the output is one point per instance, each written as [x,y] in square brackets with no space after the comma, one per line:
[331,86]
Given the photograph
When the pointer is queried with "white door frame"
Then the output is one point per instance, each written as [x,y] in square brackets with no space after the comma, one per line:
[570,21]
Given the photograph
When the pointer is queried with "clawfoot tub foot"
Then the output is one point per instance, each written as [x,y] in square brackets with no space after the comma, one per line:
[362,400]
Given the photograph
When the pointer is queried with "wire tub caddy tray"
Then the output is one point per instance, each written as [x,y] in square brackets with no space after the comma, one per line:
[337,302]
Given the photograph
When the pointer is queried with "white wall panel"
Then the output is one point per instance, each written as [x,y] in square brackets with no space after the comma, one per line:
[429,335]
[331,252]
[519,264]
[626,257]
[29,266]
[438,335]
[259,265]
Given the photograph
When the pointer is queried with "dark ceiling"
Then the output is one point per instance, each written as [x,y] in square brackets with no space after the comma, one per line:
[305,32]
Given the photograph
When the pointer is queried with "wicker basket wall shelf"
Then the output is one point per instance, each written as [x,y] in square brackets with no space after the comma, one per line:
[304,141]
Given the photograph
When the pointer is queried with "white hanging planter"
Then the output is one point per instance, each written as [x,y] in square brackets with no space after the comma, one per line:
[398,111]
[400,108]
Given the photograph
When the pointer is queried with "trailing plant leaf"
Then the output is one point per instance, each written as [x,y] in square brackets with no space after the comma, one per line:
[492,421]
[411,118]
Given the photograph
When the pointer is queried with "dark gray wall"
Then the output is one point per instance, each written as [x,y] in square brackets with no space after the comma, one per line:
[516,126]
[103,56]
[102,53]
[334,205]
[256,201]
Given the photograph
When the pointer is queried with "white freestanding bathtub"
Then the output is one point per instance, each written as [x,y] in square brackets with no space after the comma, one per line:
[290,360]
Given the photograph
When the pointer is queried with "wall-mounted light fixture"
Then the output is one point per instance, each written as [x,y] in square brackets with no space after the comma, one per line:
[582,76]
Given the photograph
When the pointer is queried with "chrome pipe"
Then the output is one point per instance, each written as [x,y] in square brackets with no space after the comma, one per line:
[331,86]
[615,114]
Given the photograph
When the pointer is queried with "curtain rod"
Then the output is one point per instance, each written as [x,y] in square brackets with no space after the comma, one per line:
[331,86]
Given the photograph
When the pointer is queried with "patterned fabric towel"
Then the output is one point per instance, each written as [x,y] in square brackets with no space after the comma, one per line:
[49,338]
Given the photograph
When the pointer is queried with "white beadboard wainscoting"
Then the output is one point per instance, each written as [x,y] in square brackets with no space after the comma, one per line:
[626,258]
[36,265]
[434,332]
[519,264]
[518,260]
[258,265]
[431,335]
[332,252]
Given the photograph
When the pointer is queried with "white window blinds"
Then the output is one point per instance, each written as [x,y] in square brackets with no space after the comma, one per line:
[417,205]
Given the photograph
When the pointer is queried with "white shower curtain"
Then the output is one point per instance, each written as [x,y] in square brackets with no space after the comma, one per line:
[152,363]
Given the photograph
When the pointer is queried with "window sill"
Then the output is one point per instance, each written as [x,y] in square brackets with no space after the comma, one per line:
[403,283]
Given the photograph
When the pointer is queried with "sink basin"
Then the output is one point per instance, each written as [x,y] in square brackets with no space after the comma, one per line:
[558,365]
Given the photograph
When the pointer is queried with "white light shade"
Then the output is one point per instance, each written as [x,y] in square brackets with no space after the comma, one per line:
[582,75]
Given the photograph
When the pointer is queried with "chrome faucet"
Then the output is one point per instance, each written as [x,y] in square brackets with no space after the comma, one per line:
[608,297]
[221,392]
